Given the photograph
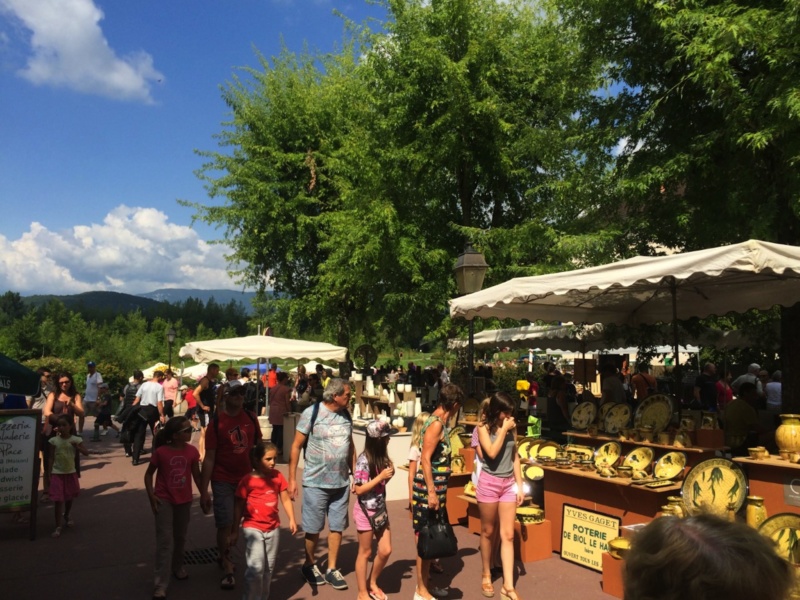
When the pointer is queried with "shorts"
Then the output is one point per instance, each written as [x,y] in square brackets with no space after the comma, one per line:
[224,493]
[319,502]
[492,489]
[360,519]
[190,413]
[204,416]
[103,419]
[88,407]
[64,488]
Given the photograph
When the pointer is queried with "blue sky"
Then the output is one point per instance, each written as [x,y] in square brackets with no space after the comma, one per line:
[104,103]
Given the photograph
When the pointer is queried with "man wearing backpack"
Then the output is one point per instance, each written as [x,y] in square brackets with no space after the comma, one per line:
[231,434]
[326,428]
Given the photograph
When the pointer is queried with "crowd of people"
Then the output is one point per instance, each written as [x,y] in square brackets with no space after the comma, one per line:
[235,474]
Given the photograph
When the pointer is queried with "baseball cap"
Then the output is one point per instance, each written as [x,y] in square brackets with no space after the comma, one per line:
[91,364]
[378,429]
[183,387]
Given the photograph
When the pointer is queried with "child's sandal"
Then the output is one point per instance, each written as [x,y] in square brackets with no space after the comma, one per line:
[56,533]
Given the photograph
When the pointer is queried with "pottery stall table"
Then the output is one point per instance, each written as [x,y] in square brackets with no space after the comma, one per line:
[694,455]
[612,496]
[775,480]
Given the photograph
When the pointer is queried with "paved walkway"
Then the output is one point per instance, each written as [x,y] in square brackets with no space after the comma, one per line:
[109,552]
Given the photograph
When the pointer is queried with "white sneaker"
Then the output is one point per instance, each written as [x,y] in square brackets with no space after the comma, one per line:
[105,432]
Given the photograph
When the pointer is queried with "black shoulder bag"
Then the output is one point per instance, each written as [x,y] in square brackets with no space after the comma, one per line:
[436,538]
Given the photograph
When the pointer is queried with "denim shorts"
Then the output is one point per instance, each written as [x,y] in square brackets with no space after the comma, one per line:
[319,502]
[224,493]
[491,488]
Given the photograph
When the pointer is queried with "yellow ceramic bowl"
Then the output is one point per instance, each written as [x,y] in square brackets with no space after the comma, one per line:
[757,453]
[619,547]
[625,472]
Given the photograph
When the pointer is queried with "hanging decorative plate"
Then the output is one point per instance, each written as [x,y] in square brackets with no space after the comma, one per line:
[656,411]
[584,451]
[784,530]
[547,449]
[670,466]
[607,455]
[603,411]
[639,458]
[617,418]
[471,406]
[583,415]
[532,472]
[455,439]
[715,485]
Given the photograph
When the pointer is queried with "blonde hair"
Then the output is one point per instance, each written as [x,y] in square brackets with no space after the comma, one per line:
[416,429]
[483,411]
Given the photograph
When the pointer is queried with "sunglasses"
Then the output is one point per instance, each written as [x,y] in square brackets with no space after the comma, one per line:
[65,382]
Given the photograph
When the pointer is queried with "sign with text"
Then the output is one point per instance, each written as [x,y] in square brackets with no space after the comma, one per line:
[19,438]
[791,490]
[585,535]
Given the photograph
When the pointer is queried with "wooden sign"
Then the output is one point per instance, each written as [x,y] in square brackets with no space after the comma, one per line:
[19,461]
[585,535]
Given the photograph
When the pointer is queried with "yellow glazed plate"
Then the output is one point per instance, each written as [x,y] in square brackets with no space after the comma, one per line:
[670,466]
[533,472]
[713,485]
[603,411]
[784,530]
[455,439]
[583,415]
[607,455]
[548,449]
[524,446]
[655,410]
[639,458]
[617,418]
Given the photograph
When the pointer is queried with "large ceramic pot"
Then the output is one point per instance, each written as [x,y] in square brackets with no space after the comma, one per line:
[787,436]
[756,511]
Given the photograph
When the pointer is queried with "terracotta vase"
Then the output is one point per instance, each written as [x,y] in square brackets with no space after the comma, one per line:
[787,436]
[756,511]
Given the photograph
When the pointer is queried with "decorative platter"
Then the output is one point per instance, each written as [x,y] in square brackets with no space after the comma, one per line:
[583,415]
[784,530]
[639,459]
[603,411]
[455,439]
[655,410]
[713,485]
[533,472]
[587,452]
[617,418]
[607,455]
[547,449]
[670,466]
[524,446]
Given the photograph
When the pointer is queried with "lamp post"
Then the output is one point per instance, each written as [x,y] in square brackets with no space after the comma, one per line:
[470,270]
[170,340]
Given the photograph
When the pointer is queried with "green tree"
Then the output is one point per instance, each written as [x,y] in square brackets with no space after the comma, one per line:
[704,102]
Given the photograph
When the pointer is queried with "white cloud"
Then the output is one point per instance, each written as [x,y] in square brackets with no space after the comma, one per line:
[134,250]
[70,50]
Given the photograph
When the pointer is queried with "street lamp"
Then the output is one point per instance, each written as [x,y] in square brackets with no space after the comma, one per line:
[470,270]
[170,340]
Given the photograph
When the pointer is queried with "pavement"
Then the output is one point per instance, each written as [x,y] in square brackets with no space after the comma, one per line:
[109,552]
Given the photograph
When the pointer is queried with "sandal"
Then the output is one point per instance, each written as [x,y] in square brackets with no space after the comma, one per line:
[227,582]
[487,589]
[377,594]
[508,594]
[180,574]
[56,533]
[436,567]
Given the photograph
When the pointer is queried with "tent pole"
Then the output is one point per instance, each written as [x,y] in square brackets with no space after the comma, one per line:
[677,368]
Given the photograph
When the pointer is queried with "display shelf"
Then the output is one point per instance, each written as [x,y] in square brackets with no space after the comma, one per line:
[774,479]
[694,455]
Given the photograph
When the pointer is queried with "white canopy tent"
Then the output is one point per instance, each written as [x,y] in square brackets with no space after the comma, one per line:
[196,372]
[257,346]
[311,367]
[645,289]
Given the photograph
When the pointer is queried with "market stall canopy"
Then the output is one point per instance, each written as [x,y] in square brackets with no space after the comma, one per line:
[148,372]
[645,289]
[311,367]
[16,378]
[196,372]
[567,338]
[255,346]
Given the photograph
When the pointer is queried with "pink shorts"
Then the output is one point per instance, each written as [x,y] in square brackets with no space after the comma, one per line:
[360,519]
[491,488]
[64,488]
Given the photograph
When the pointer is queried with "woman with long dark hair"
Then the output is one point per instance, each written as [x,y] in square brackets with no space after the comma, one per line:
[499,490]
[433,474]
[63,401]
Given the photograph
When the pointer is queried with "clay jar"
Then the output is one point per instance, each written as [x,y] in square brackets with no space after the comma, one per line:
[756,511]
[787,436]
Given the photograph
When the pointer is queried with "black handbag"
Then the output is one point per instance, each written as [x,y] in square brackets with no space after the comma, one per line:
[436,538]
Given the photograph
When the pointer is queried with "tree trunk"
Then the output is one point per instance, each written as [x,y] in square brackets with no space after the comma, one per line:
[790,358]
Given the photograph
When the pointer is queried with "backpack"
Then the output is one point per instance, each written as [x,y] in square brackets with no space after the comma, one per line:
[129,393]
[314,413]
[250,396]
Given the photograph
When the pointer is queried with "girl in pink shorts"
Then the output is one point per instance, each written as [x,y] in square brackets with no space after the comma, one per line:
[64,484]
[499,490]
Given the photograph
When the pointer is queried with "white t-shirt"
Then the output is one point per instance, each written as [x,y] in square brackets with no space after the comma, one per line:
[773,389]
[151,393]
[92,381]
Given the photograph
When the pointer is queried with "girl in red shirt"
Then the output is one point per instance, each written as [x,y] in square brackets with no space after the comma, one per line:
[257,501]
[175,463]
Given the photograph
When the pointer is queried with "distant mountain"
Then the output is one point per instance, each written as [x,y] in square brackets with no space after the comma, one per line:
[220,296]
[110,301]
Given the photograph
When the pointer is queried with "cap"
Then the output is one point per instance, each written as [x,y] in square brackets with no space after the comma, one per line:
[754,368]
[91,364]
[378,429]
[183,387]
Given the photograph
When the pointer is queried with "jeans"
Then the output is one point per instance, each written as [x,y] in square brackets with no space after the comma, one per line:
[172,522]
[260,553]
